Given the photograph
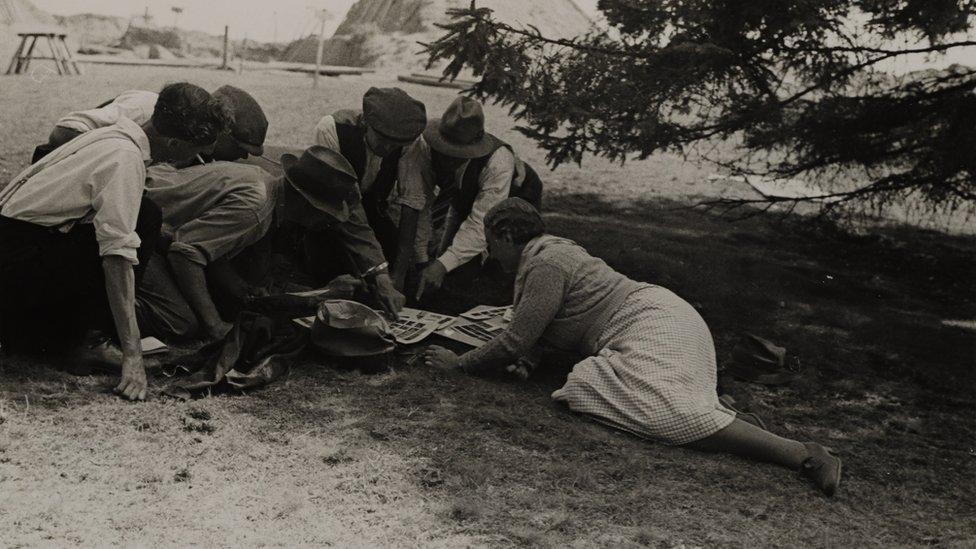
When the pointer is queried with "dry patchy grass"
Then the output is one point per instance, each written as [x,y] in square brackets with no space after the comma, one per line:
[412,457]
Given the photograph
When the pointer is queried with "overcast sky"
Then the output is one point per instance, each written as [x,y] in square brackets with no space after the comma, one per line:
[263,20]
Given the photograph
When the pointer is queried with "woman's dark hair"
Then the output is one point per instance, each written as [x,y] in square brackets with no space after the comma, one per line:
[515,219]
[187,112]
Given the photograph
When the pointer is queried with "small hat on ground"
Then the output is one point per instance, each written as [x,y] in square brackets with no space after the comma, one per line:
[394,114]
[324,178]
[460,133]
[250,126]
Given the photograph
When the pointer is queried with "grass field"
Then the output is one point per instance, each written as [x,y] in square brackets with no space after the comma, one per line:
[419,458]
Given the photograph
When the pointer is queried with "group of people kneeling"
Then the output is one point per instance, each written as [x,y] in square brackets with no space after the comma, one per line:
[146,216]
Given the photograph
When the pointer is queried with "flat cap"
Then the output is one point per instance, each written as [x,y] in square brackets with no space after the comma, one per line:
[394,114]
[250,126]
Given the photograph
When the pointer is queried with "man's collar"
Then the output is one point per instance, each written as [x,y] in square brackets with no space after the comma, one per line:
[138,136]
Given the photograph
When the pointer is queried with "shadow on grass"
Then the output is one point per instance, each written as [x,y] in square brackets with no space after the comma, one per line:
[884,383]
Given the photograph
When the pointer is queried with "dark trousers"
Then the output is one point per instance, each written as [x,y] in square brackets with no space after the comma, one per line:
[52,287]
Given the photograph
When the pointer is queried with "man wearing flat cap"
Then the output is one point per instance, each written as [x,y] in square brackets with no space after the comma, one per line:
[473,171]
[320,194]
[377,141]
[213,208]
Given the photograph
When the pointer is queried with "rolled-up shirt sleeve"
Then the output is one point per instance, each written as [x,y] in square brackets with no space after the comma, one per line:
[222,231]
[416,190]
[415,176]
[469,241]
[116,193]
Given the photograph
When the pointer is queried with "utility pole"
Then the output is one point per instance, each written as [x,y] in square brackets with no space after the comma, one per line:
[176,15]
[323,16]
[226,45]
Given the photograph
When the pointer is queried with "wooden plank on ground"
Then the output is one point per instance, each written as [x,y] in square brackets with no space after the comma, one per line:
[327,70]
[134,62]
[434,80]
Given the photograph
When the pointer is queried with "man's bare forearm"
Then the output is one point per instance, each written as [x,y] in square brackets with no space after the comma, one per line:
[121,290]
[120,287]
[192,281]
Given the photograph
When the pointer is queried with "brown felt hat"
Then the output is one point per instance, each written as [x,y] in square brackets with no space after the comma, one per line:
[460,133]
[394,114]
[250,126]
[350,329]
[324,178]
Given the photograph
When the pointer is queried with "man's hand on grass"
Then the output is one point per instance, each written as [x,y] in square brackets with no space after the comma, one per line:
[133,384]
[440,358]
[432,278]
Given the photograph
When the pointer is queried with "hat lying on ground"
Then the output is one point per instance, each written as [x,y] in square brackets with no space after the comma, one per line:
[460,133]
[394,114]
[758,360]
[346,328]
[322,177]
[250,126]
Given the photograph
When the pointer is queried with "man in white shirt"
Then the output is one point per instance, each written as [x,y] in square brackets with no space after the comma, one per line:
[473,170]
[212,209]
[75,230]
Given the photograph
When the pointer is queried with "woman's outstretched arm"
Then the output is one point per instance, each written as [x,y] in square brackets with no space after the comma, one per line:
[542,297]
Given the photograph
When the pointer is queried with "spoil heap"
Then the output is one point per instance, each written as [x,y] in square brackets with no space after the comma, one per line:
[385,33]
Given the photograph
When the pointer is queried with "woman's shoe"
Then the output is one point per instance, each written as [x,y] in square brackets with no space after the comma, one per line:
[822,468]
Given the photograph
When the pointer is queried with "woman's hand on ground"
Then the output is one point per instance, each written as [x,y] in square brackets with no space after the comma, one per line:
[133,383]
[440,358]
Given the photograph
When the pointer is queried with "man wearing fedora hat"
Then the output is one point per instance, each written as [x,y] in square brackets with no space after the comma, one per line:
[474,170]
[213,208]
[321,196]
[376,141]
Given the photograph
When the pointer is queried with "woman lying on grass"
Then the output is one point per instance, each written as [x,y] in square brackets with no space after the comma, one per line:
[651,366]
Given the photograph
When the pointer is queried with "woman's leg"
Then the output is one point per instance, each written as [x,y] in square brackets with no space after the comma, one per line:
[747,440]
